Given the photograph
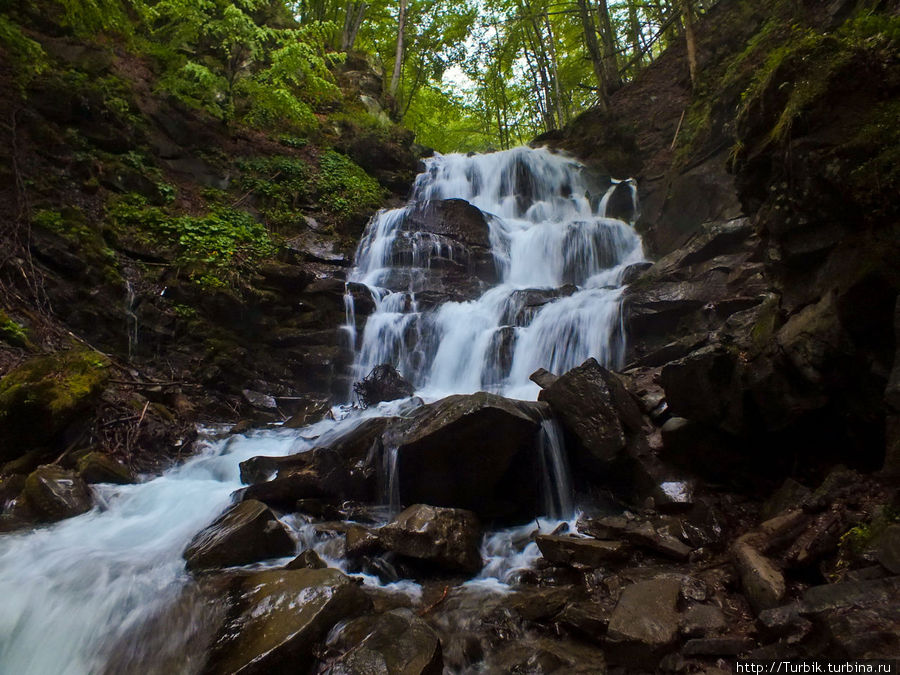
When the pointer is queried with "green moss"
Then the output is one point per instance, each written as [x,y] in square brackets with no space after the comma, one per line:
[279,185]
[72,224]
[13,333]
[44,395]
[343,187]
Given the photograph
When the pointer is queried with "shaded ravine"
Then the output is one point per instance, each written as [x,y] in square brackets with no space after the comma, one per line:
[77,593]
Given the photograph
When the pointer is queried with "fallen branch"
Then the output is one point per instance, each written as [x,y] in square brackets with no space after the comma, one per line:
[433,605]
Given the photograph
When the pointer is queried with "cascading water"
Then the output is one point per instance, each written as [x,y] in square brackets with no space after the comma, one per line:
[97,593]
[558,261]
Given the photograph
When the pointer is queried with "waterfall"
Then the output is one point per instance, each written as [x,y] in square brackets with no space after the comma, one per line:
[552,299]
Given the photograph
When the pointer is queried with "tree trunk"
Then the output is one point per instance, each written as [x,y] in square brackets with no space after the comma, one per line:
[593,49]
[690,39]
[608,37]
[353,19]
[398,55]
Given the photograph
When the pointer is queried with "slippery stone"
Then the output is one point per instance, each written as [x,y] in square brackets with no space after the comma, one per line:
[247,532]
[442,458]
[309,560]
[393,643]
[763,583]
[723,646]
[53,493]
[643,535]
[888,549]
[449,539]
[95,467]
[702,621]
[565,550]
[278,618]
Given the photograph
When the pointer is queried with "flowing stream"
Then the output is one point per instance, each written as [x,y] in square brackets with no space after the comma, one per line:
[75,594]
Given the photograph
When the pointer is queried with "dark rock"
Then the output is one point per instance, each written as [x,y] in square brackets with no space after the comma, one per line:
[705,387]
[634,271]
[96,467]
[784,623]
[888,549]
[396,642]
[384,383]
[762,581]
[53,493]
[597,411]
[449,539]
[723,646]
[644,622]
[702,621]
[361,541]
[247,532]
[543,378]
[308,560]
[279,617]
[441,457]
[641,534]
[309,411]
[696,447]
[567,550]
[260,401]
[586,619]
[790,495]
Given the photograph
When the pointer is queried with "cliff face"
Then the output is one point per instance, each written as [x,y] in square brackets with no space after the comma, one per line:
[769,202]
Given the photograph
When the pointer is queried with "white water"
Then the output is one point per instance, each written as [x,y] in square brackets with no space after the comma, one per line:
[546,231]
[72,592]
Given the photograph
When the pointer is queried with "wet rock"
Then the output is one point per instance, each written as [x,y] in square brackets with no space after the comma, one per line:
[384,383]
[641,534]
[247,532]
[888,549]
[702,621]
[723,646]
[394,643]
[644,622]
[448,539]
[309,411]
[278,618]
[565,550]
[543,378]
[784,623]
[790,495]
[596,411]
[309,560]
[96,467]
[361,541]
[260,401]
[52,493]
[441,457]
[317,474]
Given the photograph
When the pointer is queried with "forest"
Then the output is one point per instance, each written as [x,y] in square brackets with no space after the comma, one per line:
[448,336]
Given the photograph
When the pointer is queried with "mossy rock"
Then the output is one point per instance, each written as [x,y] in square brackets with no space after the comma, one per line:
[53,493]
[95,467]
[45,395]
[12,332]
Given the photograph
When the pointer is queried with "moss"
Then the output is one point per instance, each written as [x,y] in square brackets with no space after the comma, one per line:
[12,332]
[72,224]
[344,188]
[41,397]
[278,184]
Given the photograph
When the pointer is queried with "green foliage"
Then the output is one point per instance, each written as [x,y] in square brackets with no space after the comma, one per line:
[72,224]
[86,18]
[26,55]
[343,187]
[216,247]
[278,184]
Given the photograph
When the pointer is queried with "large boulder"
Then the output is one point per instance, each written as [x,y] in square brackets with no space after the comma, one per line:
[53,493]
[566,550]
[279,617]
[247,532]
[394,643]
[96,467]
[475,452]
[448,539]
[597,413]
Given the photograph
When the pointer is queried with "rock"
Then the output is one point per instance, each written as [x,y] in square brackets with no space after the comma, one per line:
[597,411]
[887,550]
[309,412]
[394,643]
[247,532]
[96,467]
[45,396]
[762,582]
[361,541]
[701,449]
[644,622]
[442,458]
[565,550]
[309,560]
[639,534]
[702,621]
[723,646]
[278,618]
[53,493]
[705,387]
[260,401]
[384,383]
[585,619]
[449,539]
[319,473]
[784,623]
[790,495]
[543,378]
